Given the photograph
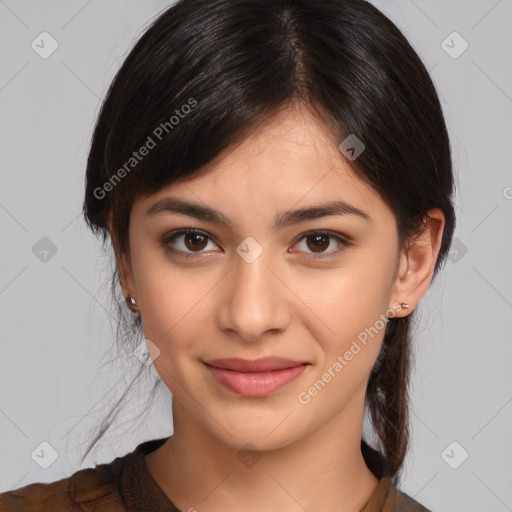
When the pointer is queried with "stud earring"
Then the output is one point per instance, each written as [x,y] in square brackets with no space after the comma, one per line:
[131,301]
[404,305]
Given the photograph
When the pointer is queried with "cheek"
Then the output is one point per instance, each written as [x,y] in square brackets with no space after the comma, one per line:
[350,310]
[169,320]
[168,309]
[355,312]
[172,301]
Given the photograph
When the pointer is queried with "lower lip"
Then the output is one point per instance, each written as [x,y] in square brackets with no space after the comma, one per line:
[256,383]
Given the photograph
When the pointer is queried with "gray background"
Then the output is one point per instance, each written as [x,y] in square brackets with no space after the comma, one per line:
[59,370]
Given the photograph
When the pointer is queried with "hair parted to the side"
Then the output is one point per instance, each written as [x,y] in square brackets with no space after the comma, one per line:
[237,62]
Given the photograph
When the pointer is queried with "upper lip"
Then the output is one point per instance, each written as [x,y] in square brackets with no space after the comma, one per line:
[264,364]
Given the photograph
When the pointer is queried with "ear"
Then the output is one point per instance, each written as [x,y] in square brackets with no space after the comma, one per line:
[417,263]
[124,266]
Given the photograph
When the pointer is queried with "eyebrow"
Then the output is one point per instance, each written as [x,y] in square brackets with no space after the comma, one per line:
[281,219]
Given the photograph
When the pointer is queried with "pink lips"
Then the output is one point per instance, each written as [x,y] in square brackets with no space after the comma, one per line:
[255,378]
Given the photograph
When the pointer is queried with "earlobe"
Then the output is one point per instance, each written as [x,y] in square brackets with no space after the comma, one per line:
[417,263]
[124,269]
[125,276]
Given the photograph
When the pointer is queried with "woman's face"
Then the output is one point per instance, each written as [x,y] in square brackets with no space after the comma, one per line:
[254,282]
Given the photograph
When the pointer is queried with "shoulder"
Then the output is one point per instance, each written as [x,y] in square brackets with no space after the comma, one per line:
[98,488]
[404,503]
[388,498]
[64,494]
[84,487]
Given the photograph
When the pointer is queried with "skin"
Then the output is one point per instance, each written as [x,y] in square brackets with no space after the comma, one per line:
[218,305]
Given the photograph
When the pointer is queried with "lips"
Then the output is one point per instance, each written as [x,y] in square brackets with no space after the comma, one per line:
[255,378]
[265,364]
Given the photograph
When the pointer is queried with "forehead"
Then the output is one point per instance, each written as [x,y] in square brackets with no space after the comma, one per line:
[290,160]
[295,137]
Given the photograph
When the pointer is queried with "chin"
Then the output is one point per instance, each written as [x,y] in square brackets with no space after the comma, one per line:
[262,436]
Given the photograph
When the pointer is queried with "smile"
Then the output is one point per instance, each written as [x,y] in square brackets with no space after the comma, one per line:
[255,378]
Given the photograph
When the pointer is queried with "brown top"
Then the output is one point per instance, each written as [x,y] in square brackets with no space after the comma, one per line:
[125,484]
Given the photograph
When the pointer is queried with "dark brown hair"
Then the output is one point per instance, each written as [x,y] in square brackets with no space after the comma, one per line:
[207,72]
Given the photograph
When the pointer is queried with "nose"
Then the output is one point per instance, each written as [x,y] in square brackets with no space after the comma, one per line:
[255,300]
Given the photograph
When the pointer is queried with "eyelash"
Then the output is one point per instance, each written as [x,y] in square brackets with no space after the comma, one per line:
[167,239]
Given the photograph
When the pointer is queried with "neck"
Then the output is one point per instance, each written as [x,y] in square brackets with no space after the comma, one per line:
[324,470]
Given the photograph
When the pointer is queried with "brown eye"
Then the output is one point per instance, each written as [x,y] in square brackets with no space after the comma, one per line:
[187,242]
[316,243]
[195,241]
[190,242]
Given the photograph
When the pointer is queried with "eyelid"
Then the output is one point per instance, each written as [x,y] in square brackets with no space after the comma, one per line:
[344,241]
[166,239]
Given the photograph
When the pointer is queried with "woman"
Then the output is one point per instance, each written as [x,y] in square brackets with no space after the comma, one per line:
[275,178]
